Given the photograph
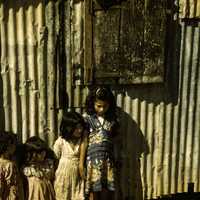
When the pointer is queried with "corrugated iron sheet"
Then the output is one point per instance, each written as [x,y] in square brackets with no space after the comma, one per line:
[28,67]
[189,8]
[158,150]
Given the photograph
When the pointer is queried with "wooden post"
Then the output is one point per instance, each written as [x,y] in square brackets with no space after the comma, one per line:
[88,42]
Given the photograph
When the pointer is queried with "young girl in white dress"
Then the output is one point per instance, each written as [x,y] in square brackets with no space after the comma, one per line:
[69,183]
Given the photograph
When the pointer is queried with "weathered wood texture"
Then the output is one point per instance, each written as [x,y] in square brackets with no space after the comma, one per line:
[129,42]
[189,9]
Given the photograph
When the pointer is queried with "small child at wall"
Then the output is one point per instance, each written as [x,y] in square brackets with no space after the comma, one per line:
[38,170]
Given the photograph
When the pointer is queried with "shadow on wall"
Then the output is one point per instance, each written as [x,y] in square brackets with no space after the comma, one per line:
[2,118]
[129,145]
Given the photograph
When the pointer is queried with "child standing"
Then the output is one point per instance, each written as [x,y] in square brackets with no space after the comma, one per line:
[102,121]
[38,170]
[8,170]
[68,179]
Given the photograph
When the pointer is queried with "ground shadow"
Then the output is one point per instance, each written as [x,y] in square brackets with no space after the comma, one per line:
[129,146]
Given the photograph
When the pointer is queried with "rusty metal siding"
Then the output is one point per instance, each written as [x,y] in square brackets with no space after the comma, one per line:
[170,128]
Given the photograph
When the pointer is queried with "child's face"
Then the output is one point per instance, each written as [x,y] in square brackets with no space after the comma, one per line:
[101,107]
[78,131]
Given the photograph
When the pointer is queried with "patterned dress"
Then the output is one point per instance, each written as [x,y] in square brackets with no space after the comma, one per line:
[99,161]
[68,184]
[8,180]
[39,178]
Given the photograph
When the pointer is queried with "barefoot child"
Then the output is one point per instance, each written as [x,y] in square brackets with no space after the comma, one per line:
[103,125]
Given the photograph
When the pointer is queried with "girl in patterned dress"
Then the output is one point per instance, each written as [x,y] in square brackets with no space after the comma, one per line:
[8,170]
[103,124]
[69,184]
[38,170]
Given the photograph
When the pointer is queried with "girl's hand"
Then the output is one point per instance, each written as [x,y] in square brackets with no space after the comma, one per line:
[81,171]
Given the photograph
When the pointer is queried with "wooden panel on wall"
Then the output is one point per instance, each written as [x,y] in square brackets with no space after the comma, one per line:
[129,42]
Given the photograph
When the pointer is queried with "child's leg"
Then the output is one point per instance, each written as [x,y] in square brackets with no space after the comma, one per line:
[91,196]
[107,195]
[95,196]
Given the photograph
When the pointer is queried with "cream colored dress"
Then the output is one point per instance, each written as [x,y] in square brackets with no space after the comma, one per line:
[39,178]
[68,184]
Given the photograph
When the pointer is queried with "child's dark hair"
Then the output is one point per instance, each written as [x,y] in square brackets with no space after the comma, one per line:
[3,144]
[35,144]
[69,122]
[6,138]
[102,93]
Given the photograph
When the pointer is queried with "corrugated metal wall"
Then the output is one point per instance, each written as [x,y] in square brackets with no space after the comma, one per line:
[28,67]
[159,122]
[189,8]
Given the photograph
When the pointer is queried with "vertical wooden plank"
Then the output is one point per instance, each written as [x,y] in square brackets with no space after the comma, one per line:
[106,44]
[77,43]
[68,50]
[190,158]
[31,82]
[189,8]
[77,98]
[132,42]
[143,126]
[5,66]
[88,70]
[154,39]
[51,65]
[120,151]
[175,149]
[184,107]
[23,92]
[160,172]
[190,112]
[12,47]
[42,72]
[157,151]
[167,153]
[196,124]
[127,137]
[150,157]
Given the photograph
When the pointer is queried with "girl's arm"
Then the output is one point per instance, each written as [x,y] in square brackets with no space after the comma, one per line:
[83,148]
[11,179]
[57,148]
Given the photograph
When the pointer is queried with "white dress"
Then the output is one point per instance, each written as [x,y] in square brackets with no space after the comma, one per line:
[68,184]
[39,177]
